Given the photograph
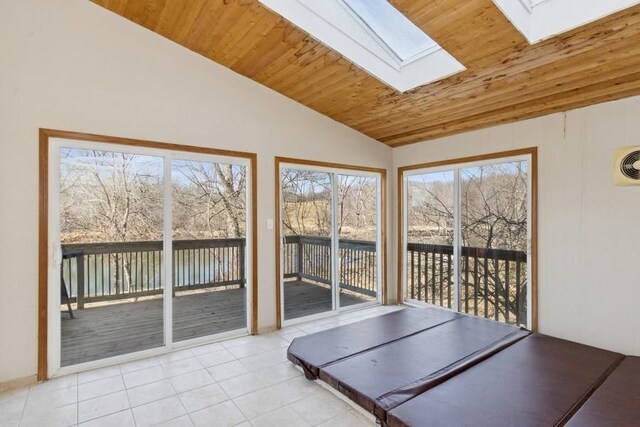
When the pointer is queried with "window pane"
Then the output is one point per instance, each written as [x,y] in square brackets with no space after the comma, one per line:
[358,231]
[430,235]
[209,248]
[394,29]
[307,253]
[494,241]
[111,213]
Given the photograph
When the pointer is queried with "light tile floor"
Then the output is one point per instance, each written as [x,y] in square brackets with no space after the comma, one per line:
[244,381]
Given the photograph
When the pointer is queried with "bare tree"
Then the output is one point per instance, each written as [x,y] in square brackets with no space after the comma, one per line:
[306,203]
[357,207]
[493,217]
[109,196]
[209,200]
[307,198]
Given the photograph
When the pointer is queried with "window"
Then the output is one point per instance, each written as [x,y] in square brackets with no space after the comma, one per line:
[467,228]
[393,30]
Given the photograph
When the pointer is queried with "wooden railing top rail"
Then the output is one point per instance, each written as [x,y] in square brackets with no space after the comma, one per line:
[157,245]
[363,245]
[501,254]
[152,245]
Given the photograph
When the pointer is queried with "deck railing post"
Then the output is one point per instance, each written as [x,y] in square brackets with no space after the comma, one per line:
[241,264]
[299,255]
[79,281]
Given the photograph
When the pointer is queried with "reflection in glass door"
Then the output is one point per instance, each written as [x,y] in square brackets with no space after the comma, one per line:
[209,247]
[111,232]
[307,241]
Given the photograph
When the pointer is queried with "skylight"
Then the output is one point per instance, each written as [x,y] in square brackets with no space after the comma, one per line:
[373,35]
[394,30]
[541,19]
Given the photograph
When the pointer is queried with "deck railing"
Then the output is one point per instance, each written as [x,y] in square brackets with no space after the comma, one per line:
[109,271]
[95,272]
[493,282]
[308,257]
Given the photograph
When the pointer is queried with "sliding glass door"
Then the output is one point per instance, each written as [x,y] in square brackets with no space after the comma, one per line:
[467,229]
[111,265]
[307,218]
[150,249]
[494,235]
[209,248]
[330,240]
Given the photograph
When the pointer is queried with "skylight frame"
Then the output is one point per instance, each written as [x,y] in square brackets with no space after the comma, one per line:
[531,4]
[380,40]
[331,24]
[539,20]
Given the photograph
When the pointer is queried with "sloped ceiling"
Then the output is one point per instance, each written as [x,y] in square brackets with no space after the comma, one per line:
[506,78]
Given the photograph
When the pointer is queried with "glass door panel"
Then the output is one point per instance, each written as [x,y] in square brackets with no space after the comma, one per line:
[209,248]
[306,214]
[111,224]
[430,238]
[494,217]
[358,234]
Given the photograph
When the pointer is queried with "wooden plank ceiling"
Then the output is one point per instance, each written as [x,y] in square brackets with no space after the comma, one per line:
[506,78]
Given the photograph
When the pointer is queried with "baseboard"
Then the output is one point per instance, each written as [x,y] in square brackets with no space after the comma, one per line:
[17,383]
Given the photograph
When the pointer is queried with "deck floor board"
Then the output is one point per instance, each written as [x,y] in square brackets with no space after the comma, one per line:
[119,328]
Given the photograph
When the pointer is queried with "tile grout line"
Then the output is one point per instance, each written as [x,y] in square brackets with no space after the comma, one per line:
[126,393]
[240,411]
[24,406]
[180,400]
[77,399]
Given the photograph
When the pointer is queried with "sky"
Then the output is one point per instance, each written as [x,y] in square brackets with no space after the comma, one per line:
[143,164]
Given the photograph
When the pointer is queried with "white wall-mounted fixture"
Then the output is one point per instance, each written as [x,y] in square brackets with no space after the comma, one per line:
[626,167]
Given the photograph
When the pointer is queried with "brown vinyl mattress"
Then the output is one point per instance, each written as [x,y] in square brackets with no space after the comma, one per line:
[387,376]
[538,381]
[312,352]
[616,402]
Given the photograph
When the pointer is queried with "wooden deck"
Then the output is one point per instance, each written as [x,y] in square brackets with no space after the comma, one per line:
[304,299]
[118,328]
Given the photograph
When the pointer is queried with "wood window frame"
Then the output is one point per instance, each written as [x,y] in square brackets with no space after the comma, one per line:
[531,151]
[43,219]
[383,220]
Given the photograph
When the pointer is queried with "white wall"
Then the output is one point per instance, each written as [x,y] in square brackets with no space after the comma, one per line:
[589,229]
[71,65]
